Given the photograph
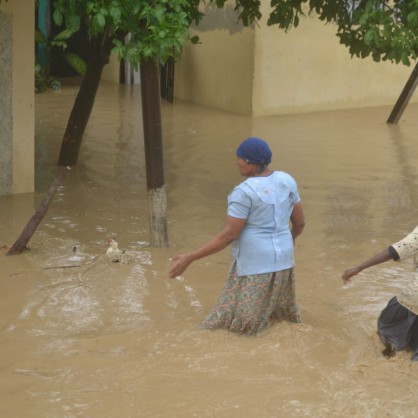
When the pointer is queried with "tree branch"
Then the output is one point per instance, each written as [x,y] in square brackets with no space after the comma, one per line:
[20,245]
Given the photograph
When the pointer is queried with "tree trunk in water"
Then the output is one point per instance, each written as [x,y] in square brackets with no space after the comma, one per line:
[83,105]
[151,115]
[21,243]
[403,100]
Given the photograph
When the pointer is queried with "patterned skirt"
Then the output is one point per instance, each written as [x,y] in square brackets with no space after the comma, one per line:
[248,303]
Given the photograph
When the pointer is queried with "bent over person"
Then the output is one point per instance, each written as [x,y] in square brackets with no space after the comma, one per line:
[397,325]
[264,218]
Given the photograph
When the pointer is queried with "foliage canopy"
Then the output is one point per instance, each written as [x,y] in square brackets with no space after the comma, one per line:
[158,28]
[382,29]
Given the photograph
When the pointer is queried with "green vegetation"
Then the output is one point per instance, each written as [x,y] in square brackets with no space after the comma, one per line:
[44,78]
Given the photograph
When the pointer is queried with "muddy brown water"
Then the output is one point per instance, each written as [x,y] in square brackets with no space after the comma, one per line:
[80,337]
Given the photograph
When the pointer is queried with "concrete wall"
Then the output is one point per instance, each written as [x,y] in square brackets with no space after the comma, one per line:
[307,69]
[219,71]
[111,71]
[17,102]
[264,71]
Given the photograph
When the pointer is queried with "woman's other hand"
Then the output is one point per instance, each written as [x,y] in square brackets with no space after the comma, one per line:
[377,259]
[298,220]
[348,274]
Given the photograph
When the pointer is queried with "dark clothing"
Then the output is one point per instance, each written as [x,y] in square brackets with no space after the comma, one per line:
[393,253]
[398,326]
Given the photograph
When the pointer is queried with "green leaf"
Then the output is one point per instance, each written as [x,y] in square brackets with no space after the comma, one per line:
[412,17]
[40,38]
[369,36]
[76,62]
[159,13]
[57,15]
[405,58]
[59,44]
[115,13]
[194,39]
[64,35]
[100,20]
[89,7]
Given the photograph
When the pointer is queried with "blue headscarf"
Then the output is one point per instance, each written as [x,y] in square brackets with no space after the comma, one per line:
[255,151]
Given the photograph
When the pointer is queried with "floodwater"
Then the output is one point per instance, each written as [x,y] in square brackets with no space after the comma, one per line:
[84,338]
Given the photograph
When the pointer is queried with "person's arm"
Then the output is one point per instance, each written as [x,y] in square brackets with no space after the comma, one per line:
[229,233]
[297,219]
[383,256]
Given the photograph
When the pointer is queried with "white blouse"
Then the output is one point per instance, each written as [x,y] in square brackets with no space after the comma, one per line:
[406,248]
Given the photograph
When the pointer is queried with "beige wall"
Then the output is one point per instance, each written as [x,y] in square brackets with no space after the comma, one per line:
[219,71]
[23,96]
[111,70]
[307,69]
[303,70]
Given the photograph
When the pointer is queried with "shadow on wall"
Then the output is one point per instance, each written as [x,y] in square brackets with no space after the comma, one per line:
[215,18]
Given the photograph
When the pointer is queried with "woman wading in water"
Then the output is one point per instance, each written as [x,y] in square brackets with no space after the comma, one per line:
[261,282]
[397,325]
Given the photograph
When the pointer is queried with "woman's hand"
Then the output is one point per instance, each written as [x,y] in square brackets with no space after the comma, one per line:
[181,262]
[350,273]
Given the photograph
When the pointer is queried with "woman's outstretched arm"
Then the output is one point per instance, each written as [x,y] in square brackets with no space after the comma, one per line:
[377,259]
[229,233]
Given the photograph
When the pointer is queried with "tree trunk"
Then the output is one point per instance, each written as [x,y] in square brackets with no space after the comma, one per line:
[21,243]
[406,94]
[98,57]
[151,115]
